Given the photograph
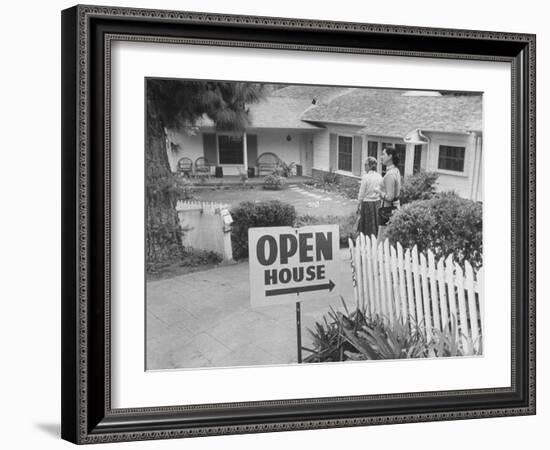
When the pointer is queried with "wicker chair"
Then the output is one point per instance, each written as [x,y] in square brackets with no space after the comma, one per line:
[184,167]
[267,163]
[202,167]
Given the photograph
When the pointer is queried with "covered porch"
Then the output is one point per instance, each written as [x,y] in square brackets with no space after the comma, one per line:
[255,152]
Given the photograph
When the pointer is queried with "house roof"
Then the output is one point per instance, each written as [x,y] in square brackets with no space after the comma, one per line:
[380,112]
[280,112]
[387,112]
[274,112]
[320,94]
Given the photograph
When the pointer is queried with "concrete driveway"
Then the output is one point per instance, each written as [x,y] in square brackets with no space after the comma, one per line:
[204,319]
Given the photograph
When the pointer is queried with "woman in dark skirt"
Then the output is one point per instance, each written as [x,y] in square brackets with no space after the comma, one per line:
[369,199]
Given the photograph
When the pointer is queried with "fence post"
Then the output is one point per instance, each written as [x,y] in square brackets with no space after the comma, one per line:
[426,298]
[459,279]
[376,276]
[450,278]
[445,321]
[353,271]
[402,294]
[359,272]
[370,275]
[479,289]
[417,289]
[389,289]
[433,290]
[472,303]
[382,284]
[410,291]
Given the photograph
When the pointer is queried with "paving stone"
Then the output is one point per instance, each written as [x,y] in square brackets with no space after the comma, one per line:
[204,319]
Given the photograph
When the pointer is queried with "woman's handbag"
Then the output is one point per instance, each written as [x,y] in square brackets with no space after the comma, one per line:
[384,213]
[357,224]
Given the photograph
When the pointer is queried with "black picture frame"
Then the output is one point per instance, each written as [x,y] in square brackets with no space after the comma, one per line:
[87,416]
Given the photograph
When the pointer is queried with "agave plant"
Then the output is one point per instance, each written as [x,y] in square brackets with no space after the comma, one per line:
[355,335]
[449,342]
[393,340]
[358,336]
[329,342]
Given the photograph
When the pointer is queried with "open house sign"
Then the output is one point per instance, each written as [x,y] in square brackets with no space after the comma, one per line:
[289,265]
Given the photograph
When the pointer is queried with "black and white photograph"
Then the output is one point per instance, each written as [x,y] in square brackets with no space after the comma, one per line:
[302,224]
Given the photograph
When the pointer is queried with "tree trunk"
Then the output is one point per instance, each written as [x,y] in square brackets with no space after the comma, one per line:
[162,231]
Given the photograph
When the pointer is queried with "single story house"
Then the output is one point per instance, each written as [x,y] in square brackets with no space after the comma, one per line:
[334,129]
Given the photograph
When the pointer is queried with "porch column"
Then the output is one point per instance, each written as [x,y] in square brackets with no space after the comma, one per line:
[409,159]
[245,154]
[474,188]
[365,153]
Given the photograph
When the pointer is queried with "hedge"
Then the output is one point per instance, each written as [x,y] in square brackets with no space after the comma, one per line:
[261,214]
[420,186]
[444,224]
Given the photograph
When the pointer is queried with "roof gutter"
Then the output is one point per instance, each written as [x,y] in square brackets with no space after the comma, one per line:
[416,137]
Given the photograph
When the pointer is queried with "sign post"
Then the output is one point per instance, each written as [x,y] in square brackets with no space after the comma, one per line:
[293,265]
[299,331]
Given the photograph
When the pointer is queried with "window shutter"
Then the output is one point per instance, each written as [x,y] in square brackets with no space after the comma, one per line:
[333,152]
[252,149]
[210,147]
[357,155]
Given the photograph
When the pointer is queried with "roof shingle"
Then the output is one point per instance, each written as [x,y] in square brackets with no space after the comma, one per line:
[387,112]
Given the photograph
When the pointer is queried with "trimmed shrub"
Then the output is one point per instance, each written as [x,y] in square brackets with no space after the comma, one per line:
[420,186]
[274,182]
[285,169]
[261,214]
[444,224]
[330,177]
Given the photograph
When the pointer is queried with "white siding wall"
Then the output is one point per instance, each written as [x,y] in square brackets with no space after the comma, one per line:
[461,183]
[275,141]
[189,146]
[321,144]
[321,150]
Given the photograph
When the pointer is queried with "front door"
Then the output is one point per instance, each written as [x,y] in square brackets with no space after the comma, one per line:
[418,157]
[306,154]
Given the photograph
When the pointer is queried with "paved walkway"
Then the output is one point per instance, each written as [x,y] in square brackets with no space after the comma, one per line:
[204,319]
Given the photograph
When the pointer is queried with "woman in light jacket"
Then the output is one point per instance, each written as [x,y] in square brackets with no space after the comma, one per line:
[369,199]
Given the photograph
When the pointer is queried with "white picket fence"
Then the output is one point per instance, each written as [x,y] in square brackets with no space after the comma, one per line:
[411,286]
[205,227]
[204,207]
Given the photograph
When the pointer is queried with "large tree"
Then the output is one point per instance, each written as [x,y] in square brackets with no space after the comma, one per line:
[179,105]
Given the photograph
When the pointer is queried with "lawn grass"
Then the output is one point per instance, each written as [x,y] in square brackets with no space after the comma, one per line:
[326,204]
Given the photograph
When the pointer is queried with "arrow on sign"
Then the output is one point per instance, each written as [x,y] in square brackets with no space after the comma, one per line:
[296,290]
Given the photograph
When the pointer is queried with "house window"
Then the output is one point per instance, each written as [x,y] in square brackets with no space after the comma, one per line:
[372,150]
[230,149]
[401,150]
[451,158]
[345,145]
